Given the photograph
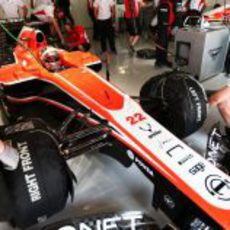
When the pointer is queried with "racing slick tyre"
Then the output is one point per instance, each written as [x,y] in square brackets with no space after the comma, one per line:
[176,100]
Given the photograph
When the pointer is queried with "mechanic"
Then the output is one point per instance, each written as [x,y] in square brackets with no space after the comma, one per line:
[76,38]
[43,10]
[165,19]
[64,6]
[153,23]
[132,13]
[221,99]
[196,7]
[14,9]
[94,21]
[104,11]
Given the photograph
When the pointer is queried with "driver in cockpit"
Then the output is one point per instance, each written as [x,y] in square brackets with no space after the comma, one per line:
[50,59]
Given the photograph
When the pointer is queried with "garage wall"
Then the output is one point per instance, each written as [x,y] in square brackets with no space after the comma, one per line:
[80,13]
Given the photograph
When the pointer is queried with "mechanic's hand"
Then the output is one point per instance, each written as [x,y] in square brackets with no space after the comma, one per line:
[220,96]
[221,99]
[9,156]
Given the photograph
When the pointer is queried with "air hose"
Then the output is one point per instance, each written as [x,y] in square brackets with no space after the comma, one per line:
[19,42]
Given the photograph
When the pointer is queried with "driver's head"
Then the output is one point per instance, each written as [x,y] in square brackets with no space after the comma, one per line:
[50,59]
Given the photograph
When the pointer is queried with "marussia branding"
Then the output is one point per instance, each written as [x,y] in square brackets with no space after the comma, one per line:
[124,221]
[152,133]
[157,144]
[218,187]
[214,150]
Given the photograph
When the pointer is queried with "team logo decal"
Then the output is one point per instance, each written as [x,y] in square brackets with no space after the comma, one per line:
[218,187]
[133,220]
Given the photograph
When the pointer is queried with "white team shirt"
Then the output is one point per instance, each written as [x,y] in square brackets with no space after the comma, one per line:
[42,2]
[104,7]
[11,8]
[43,10]
[196,5]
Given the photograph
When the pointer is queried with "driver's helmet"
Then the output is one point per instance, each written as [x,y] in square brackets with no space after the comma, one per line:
[50,59]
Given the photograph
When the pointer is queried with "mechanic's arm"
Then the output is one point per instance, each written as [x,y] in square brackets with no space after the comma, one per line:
[24,11]
[96,11]
[221,99]
[204,6]
[220,96]
[57,29]
[21,9]
[113,11]
[141,3]
[89,4]
[32,4]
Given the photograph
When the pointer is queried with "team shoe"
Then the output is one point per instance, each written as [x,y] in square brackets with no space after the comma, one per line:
[218,148]
[132,50]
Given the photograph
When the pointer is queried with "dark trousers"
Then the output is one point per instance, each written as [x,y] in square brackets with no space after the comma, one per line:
[95,26]
[162,44]
[68,15]
[106,31]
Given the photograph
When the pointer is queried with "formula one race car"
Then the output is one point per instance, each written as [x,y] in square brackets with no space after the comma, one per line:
[53,84]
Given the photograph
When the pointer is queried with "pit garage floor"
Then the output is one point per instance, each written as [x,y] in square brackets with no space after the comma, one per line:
[103,184]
